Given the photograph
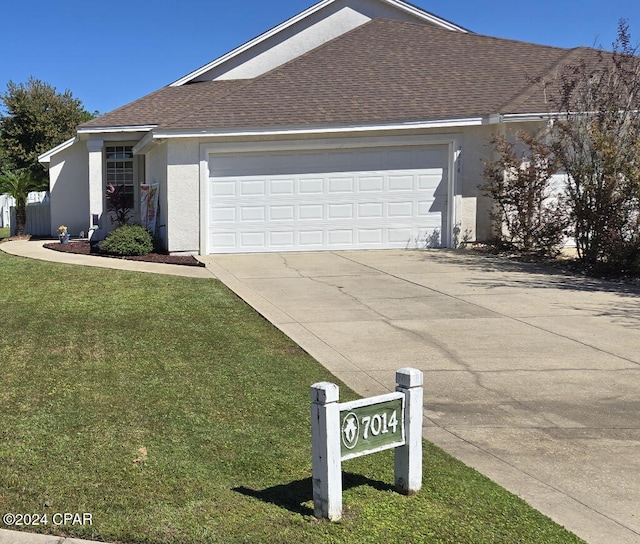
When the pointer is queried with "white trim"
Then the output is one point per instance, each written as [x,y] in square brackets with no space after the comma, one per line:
[359,403]
[425,15]
[116,129]
[147,139]
[326,143]
[301,131]
[452,199]
[519,117]
[45,158]
[403,6]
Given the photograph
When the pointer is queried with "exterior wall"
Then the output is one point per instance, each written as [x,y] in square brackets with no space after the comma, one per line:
[69,189]
[474,222]
[183,196]
[320,27]
[156,172]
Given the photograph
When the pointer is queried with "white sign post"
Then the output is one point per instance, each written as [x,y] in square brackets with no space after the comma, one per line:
[327,472]
[352,429]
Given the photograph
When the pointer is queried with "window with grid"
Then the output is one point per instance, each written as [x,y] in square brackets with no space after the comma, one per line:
[119,162]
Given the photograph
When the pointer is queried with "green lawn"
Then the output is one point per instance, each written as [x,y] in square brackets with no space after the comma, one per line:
[4,233]
[172,413]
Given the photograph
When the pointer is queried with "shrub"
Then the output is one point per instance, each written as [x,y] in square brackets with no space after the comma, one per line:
[128,240]
[119,203]
[529,212]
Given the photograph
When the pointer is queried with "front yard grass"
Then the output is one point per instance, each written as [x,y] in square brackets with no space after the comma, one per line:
[172,413]
[4,233]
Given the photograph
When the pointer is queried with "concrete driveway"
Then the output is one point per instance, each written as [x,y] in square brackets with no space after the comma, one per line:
[531,377]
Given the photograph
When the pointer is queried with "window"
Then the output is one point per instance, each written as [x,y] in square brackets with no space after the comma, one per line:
[120,170]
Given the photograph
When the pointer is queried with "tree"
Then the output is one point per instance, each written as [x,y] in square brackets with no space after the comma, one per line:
[37,119]
[529,209]
[596,137]
[19,186]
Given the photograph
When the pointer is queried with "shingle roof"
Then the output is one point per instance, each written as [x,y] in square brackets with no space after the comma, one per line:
[381,72]
[167,104]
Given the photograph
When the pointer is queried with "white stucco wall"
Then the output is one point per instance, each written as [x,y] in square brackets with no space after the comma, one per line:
[316,29]
[69,188]
[473,215]
[156,172]
[183,196]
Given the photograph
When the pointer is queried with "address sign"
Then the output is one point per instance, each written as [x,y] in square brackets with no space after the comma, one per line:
[341,431]
[372,425]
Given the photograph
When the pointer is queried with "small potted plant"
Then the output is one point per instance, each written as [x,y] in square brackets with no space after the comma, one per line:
[63,234]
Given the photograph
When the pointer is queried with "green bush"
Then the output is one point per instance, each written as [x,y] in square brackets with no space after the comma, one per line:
[128,240]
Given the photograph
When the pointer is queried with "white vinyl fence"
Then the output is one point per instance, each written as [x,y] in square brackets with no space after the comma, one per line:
[5,210]
[38,214]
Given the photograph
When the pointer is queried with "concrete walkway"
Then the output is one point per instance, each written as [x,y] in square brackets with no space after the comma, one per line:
[33,249]
[532,378]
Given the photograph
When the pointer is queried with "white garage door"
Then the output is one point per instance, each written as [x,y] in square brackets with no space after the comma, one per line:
[372,198]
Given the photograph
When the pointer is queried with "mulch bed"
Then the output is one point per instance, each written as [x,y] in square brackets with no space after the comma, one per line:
[84,248]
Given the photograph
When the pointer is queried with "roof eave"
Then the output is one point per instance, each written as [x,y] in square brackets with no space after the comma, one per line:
[519,117]
[426,16]
[45,158]
[115,129]
[165,133]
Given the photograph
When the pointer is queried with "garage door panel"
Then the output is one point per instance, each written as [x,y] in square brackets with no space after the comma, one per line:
[311,186]
[223,215]
[311,212]
[282,238]
[371,210]
[400,209]
[371,184]
[340,237]
[253,188]
[401,183]
[282,213]
[370,236]
[311,238]
[326,199]
[252,213]
[223,240]
[400,235]
[252,239]
[223,188]
[282,187]
[428,181]
[340,185]
[340,211]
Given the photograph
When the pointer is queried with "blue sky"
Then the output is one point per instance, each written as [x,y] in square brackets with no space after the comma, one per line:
[110,53]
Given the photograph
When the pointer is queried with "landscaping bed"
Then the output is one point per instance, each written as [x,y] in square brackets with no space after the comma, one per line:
[84,248]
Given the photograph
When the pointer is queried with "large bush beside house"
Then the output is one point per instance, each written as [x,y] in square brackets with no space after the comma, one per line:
[530,212]
[128,240]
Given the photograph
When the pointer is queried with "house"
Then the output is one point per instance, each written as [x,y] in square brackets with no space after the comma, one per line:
[355,124]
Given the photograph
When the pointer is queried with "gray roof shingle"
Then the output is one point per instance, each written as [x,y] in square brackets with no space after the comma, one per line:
[381,72]
[166,105]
